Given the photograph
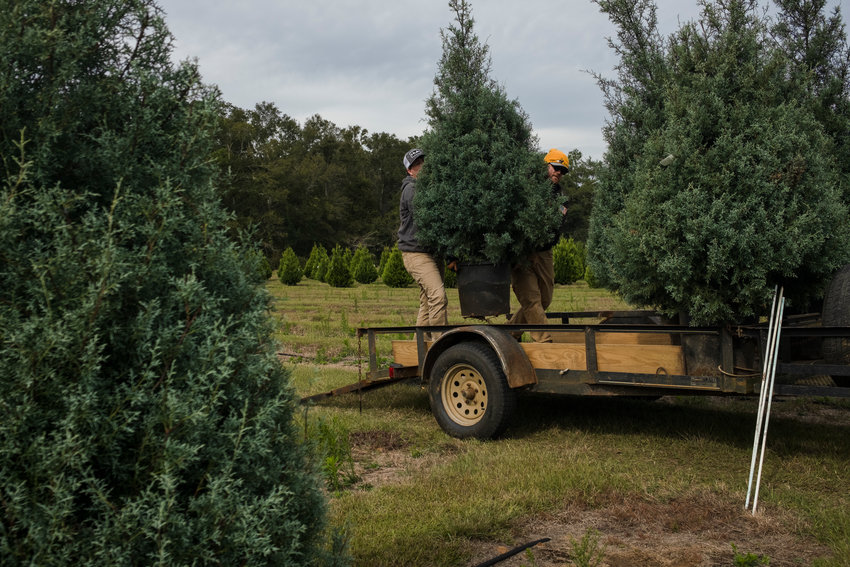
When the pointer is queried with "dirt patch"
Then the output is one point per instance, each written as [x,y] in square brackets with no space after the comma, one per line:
[693,531]
[697,531]
[380,458]
[384,457]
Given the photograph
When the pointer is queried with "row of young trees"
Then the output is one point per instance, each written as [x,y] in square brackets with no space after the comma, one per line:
[342,267]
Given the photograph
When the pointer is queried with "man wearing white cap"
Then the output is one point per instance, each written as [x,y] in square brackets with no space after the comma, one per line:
[418,261]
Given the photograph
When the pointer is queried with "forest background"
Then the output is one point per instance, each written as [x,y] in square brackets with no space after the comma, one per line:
[319,183]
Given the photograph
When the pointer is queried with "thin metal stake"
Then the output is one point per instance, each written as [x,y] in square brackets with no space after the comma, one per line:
[768,351]
[769,400]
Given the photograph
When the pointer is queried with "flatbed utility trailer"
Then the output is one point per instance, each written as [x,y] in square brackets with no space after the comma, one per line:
[474,372]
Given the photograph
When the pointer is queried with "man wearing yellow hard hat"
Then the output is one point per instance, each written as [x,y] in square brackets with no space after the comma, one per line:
[533,280]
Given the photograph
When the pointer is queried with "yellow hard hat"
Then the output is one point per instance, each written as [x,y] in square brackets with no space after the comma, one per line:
[557,158]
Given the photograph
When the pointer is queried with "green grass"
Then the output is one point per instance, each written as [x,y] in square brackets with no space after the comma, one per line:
[677,467]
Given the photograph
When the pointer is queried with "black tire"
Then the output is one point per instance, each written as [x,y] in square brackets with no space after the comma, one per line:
[836,313]
[469,392]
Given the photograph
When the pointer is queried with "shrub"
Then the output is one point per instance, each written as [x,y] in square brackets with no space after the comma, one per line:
[363,266]
[258,263]
[321,268]
[568,257]
[146,419]
[316,254]
[589,277]
[338,274]
[394,273]
[385,254]
[289,271]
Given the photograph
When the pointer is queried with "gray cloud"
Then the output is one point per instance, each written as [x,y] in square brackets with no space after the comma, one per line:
[371,63]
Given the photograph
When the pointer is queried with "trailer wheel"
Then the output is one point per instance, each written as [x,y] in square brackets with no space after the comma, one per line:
[836,313]
[469,392]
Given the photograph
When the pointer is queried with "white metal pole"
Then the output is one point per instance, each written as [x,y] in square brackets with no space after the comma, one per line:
[769,400]
[762,394]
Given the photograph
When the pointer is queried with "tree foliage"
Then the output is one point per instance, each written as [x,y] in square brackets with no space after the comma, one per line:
[315,182]
[313,260]
[482,195]
[394,274]
[569,261]
[146,419]
[289,272]
[339,272]
[363,266]
[749,197]
[579,186]
[819,69]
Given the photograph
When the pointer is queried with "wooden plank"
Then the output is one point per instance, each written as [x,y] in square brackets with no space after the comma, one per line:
[555,355]
[404,353]
[603,338]
[643,359]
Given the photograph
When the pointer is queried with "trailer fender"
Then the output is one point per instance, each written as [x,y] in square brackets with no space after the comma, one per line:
[512,357]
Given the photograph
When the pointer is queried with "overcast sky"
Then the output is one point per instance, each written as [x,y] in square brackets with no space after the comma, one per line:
[371,63]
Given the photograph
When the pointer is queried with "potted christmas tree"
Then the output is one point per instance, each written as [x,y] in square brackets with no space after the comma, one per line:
[482,197]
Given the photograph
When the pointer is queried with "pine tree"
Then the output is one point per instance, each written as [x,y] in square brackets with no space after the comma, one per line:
[320,268]
[394,274]
[482,195]
[385,255]
[313,260]
[363,266]
[568,258]
[146,419]
[338,274]
[749,197]
[289,272]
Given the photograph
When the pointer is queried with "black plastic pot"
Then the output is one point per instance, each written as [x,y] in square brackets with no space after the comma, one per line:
[484,290]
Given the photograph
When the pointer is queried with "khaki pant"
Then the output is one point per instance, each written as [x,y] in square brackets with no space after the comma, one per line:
[432,293]
[533,282]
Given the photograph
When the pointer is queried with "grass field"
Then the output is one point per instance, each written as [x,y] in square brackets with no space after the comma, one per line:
[613,482]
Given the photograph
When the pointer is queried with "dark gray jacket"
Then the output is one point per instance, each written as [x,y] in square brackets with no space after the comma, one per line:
[407,230]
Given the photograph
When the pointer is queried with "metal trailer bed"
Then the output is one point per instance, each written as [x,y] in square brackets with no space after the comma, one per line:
[474,372]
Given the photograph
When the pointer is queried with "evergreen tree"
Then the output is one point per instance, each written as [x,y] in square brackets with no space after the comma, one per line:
[347,256]
[320,268]
[338,274]
[482,195]
[580,186]
[313,260]
[385,255]
[260,262]
[589,278]
[363,266]
[819,70]
[146,419]
[394,274]
[568,258]
[749,197]
[289,272]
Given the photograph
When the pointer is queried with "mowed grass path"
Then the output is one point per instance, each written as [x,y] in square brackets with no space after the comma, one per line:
[659,483]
